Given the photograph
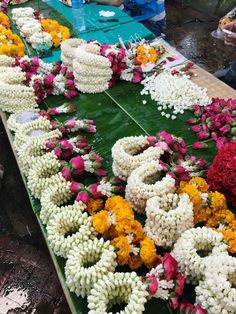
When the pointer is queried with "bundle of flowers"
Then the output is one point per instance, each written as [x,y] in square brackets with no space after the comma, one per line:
[10,43]
[173,94]
[221,175]
[129,153]
[165,282]
[68,51]
[115,221]
[141,58]
[211,209]
[215,121]
[40,33]
[47,78]
[4,20]
[4,6]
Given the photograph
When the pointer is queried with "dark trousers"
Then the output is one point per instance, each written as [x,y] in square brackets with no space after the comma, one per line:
[157,28]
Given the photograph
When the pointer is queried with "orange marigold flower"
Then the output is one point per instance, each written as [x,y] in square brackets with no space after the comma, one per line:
[133,227]
[122,248]
[230,238]
[148,252]
[94,206]
[101,222]
[135,262]
[218,201]
[200,184]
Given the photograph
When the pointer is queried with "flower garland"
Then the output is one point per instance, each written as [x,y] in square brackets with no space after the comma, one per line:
[6,61]
[117,288]
[176,93]
[20,118]
[54,197]
[68,51]
[215,121]
[10,43]
[217,292]
[40,129]
[87,263]
[191,245]
[146,182]
[221,174]
[116,222]
[11,75]
[43,173]
[58,32]
[168,216]
[68,229]
[129,153]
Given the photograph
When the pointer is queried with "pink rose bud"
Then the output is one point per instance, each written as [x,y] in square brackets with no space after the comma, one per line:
[168,138]
[199,310]
[58,152]
[83,197]
[101,173]
[66,154]
[163,146]
[77,163]
[174,301]
[203,135]
[66,174]
[179,169]
[65,144]
[151,140]
[152,284]
[221,141]
[195,128]
[75,187]
[91,128]
[225,129]
[170,266]
[199,145]
[192,121]
[179,286]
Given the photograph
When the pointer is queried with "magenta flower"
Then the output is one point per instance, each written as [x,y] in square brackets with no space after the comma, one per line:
[66,173]
[101,173]
[192,121]
[77,163]
[170,266]
[75,187]
[199,145]
[174,301]
[152,284]
[195,128]
[220,141]
[199,310]
[83,197]
[179,286]
[203,135]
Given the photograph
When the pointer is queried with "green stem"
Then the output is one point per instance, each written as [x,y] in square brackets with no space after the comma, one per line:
[168,308]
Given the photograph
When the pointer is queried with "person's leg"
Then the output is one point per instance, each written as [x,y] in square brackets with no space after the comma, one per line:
[1,174]
[157,28]
[228,75]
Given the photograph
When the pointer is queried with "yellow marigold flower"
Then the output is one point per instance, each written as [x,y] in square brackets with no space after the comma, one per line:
[232,225]
[218,201]
[135,262]
[94,206]
[230,237]
[101,222]
[123,249]
[4,20]
[153,55]
[133,227]
[202,214]
[148,252]
[142,59]
[224,217]
[140,50]
[200,184]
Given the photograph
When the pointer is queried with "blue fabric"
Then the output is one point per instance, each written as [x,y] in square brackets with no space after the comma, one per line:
[142,10]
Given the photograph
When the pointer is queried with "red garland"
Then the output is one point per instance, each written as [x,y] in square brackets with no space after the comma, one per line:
[221,175]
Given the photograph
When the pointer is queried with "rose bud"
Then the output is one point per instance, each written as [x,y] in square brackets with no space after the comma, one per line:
[199,145]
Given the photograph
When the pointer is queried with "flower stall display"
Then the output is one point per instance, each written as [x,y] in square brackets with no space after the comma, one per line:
[221,174]
[215,121]
[168,216]
[173,94]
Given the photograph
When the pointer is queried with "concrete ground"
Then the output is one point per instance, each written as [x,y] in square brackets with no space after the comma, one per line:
[28,281]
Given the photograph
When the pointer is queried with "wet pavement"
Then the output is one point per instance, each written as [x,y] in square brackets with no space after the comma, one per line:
[28,281]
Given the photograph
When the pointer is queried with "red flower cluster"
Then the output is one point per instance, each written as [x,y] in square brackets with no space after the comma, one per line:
[216,121]
[221,175]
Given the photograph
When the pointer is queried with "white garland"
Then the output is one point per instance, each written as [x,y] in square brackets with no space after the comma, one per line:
[217,293]
[89,54]
[11,75]
[16,97]
[54,197]
[126,156]
[92,89]
[76,222]
[83,70]
[40,38]
[168,216]
[17,13]
[69,49]
[30,28]
[44,173]
[144,183]
[174,92]
[40,129]
[6,61]
[185,251]
[17,119]
[115,288]
[80,276]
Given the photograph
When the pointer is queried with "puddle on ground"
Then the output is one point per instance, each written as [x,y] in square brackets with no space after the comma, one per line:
[13,299]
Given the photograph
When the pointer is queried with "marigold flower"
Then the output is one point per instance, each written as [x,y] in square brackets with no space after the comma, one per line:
[200,184]
[101,222]
[94,205]
[135,262]
[148,252]
[123,249]
[230,237]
